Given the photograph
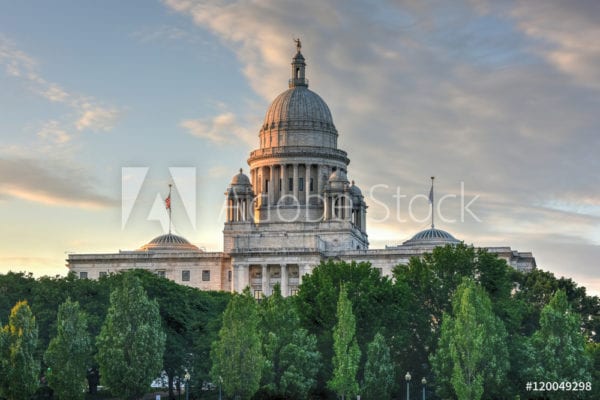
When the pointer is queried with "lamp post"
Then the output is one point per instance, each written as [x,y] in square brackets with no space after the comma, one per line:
[220,385]
[186,378]
[424,382]
[407,377]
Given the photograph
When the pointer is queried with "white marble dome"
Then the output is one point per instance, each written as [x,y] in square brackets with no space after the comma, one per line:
[298,117]
[298,104]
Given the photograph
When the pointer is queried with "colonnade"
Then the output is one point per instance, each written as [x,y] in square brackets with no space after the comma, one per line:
[294,183]
[289,277]
[239,209]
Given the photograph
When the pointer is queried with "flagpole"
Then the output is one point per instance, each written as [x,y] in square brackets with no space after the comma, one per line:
[432,208]
[170,208]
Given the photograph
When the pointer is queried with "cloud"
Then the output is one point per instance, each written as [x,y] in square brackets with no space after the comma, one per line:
[571,34]
[502,96]
[97,118]
[53,132]
[93,116]
[49,182]
[220,129]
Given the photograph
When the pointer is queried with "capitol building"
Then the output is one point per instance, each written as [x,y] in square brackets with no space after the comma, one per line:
[293,209]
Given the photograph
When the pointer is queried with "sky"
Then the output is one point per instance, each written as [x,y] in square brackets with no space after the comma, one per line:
[103,104]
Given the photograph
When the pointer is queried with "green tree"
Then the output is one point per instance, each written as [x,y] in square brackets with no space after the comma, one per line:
[19,368]
[559,346]
[472,353]
[378,304]
[346,352]
[379,370]
[292,359]
[131,341]
[237,357]
[593,351]
[68,353]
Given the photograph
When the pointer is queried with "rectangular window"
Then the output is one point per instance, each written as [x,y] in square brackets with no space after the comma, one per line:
[290,184]
[258,294]
[293,292]
[206,275]
[185,276]
[83,275]
[301,184]
[162,274]
[279,184]
[311,185]
[103,274]
[228,276]
[267,185]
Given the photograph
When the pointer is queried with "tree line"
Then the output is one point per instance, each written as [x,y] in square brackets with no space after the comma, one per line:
[460,321]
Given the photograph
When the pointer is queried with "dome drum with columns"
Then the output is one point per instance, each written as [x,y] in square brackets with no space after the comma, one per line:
[295,208]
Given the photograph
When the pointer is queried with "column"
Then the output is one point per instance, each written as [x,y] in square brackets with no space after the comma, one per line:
[284,183]
[284,280]
[363,219]
[272,185]
[237,278]
[296,197]
[307,183]
[265,279]
[263,185]
[319,183]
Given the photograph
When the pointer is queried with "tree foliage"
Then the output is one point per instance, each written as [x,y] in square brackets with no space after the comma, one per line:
[69,352]
[131,342]
[378,304]
[379,370]
[291,357]
[472,353]
[346,352]
[19,367]
[237,355]
[558,345]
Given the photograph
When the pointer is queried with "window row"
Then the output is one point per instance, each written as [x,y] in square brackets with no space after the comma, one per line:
[185,275]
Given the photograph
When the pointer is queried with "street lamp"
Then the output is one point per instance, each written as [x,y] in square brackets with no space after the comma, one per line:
[407,377]
[220,385]
[186,378]
[423,382]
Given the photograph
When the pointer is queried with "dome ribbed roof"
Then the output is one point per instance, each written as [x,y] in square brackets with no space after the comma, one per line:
[240,179]
[431,236]
[298,104]
[169,242]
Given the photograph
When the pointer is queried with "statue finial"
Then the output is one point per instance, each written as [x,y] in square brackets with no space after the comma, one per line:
[298,44]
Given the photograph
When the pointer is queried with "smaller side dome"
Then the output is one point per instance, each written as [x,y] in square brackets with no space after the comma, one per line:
[169,242]
[431,237]
[240,179]
[355,190]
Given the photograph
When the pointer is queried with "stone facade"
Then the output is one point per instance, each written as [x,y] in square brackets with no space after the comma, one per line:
[295,209]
